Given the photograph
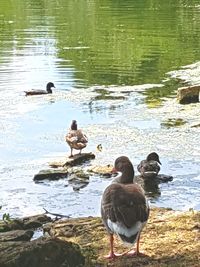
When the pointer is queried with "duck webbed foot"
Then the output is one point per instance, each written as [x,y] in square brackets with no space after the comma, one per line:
[112,255]
[133,253]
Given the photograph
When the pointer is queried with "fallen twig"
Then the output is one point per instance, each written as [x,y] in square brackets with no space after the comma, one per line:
[56,214]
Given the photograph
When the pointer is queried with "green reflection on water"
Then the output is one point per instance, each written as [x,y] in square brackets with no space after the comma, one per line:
[106,42]
[173,123]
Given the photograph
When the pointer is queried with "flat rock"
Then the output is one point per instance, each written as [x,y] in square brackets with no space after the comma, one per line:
[73,161]
[76,177]
[104,171]
[31,222]
[16,235]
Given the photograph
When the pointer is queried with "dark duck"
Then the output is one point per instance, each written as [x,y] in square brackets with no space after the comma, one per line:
[149,168]
[124,208]
[41,92]
[75,138]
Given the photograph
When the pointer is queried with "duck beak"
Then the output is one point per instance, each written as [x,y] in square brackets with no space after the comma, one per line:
[114,171]
[159,162]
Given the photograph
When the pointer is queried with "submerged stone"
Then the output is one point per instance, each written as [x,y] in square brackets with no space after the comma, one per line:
[78,178]
[50,175]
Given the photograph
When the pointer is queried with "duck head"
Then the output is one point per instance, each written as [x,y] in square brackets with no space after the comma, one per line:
[154,156]
[49,86]
[74,125]
[124,169]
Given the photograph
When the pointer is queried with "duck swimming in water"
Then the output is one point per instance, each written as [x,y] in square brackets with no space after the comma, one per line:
[75,138]
[41,92]
[149,168]
[124,207]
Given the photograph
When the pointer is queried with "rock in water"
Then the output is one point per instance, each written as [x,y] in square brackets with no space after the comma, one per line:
[189,94]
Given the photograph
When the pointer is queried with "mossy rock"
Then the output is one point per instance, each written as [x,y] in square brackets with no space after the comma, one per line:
[43,252]
[104,171]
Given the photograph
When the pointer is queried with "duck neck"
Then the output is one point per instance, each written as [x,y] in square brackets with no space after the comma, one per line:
[127,177]
[74,126]
[49,91]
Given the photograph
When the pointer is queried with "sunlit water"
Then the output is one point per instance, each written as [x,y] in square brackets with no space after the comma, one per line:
[115,66]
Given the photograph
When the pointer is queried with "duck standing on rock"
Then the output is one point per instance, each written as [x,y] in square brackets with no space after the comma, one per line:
[149,168]
[41,92]
[75,138]
[124,208]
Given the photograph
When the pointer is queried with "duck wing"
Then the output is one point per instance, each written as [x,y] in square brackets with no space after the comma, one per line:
[71,136]
[76,136]
[82,138]
[76,139]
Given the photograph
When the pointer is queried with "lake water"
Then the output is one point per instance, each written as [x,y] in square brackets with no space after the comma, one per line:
[116,66]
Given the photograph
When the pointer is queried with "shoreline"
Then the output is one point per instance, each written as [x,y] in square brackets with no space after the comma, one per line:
[170,238]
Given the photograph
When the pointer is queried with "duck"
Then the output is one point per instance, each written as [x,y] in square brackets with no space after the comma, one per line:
[149,168]
[41,92]
[124,208]
[75,138]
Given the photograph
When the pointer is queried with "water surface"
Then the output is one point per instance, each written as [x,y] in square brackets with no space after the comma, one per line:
[116,66]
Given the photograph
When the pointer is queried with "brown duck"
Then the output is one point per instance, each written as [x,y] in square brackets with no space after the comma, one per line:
[41,92]
[124,208]
[75,138]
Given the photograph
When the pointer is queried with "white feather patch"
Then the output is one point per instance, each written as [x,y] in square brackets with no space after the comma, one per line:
[117,177]
[118,228]
[149,172]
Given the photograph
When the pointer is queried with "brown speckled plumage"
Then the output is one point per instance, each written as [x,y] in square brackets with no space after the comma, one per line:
[75,138]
